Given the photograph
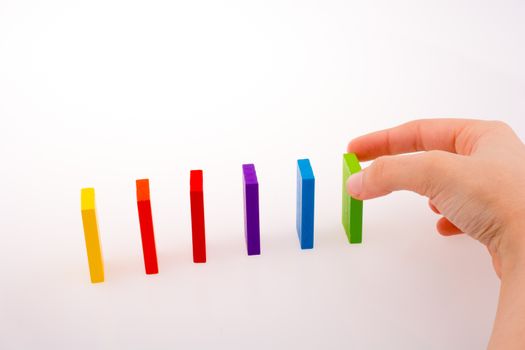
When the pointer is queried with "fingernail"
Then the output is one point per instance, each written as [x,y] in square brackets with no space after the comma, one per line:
[355,184]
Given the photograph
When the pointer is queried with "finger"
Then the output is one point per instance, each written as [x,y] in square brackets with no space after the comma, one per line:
[433,207]
[446,228]
[423,173]
[417,135]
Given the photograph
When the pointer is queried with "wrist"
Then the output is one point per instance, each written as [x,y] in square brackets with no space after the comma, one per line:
[511,250]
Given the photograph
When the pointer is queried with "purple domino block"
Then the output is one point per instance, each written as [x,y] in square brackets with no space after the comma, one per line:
[251,210]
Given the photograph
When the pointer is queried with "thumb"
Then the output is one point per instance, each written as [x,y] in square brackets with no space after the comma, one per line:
[424,173]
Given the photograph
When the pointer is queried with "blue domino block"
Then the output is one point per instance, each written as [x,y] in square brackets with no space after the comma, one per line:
[305,203]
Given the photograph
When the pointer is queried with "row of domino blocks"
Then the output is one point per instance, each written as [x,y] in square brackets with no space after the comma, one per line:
[352,211]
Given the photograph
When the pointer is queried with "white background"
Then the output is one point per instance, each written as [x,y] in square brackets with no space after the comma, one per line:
[100,93]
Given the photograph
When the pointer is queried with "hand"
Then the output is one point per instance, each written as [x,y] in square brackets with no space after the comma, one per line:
[473,173]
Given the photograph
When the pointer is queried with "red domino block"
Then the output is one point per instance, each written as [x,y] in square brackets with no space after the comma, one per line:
[146,227]
[197,217]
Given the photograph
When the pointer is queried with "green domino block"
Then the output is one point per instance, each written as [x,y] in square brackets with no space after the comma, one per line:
[352,208]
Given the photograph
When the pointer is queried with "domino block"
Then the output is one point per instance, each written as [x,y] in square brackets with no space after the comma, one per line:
[197,217]
[146,227]
[305,203]
[352,208]
[89,221]
[251,210]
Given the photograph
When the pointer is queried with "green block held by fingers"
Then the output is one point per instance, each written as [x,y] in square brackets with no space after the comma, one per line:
[352,208]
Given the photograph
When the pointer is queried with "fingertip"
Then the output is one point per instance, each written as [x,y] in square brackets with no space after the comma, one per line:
[365,147]
[446,228]
[354,185]
[359,145]
[350,147]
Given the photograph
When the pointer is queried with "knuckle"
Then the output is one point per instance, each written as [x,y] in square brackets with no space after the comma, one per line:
[498,125]
[432,164]
[433,159]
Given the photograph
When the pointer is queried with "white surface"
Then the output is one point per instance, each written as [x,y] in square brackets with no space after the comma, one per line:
[101,93]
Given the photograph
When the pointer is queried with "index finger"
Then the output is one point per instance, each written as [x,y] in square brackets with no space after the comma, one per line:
[414,136]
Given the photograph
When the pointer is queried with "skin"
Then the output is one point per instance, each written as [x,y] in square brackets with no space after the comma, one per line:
[473,173]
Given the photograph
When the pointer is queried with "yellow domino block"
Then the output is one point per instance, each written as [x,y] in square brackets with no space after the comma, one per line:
[89,220]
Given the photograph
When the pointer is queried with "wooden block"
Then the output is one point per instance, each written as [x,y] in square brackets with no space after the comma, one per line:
[251,210]
[89,221]
[197,216]
[305,203]
[352,208]
[146,227]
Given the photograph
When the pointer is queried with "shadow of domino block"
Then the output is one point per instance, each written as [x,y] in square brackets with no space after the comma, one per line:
[352,208]
[305,203]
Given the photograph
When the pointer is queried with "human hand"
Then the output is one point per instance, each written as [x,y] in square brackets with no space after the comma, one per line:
[473,173]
